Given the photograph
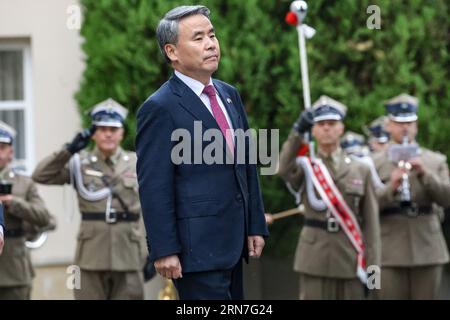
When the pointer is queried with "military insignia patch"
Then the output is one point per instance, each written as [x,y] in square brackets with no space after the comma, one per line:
[357,182]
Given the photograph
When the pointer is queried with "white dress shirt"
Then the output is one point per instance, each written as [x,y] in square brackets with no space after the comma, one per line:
[198,87]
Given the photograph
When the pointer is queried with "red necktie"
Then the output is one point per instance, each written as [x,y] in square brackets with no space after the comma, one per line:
[219,116]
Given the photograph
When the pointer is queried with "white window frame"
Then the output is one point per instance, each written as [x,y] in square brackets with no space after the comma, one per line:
[26,104]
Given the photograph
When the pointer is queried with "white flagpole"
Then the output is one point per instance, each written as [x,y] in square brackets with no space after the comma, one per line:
[300,8]
[304,67]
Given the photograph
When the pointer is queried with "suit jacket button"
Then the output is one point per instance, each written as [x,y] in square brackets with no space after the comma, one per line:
[239,197]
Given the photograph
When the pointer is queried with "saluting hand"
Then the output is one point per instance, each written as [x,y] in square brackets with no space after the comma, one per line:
[255,246]
[169,267]
[81,140]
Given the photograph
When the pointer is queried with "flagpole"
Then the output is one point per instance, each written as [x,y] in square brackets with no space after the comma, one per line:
[299,9]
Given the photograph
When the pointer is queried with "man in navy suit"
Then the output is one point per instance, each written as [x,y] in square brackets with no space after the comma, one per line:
[201,218]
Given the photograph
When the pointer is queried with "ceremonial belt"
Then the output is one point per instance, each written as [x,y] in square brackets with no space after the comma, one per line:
[329,225]
[338,209]
[113,216]
[412,211]
[14,233]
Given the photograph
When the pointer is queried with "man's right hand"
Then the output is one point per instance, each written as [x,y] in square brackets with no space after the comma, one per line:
[169,267]
[304,122]
[81,140]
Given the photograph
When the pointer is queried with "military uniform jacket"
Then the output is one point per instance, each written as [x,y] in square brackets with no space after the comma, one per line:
[104,246]
[26,207]
[414,241]
[326,254]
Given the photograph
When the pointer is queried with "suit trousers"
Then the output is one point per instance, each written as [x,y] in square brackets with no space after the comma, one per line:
[212,285]
[410,283]
[110,285]
[324,288]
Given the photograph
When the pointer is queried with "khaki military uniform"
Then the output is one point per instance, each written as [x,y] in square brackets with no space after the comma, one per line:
[111,256]
[414,248]
[327,260]
[27,208]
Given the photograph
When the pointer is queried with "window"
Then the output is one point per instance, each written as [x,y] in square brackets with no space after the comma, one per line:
[15,99]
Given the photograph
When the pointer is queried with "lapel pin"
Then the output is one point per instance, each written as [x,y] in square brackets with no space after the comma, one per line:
[228,100]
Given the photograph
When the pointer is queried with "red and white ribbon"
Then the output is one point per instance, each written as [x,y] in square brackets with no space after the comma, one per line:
[338,208]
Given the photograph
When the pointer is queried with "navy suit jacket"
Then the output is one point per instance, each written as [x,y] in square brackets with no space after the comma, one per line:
[201,212]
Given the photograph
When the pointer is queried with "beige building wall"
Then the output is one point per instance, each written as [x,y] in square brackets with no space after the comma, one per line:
[56,68]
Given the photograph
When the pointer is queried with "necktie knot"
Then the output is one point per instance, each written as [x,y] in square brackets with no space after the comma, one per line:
[209,90]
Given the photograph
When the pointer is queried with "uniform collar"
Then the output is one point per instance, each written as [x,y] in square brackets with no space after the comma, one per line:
[335,155]
[114,158]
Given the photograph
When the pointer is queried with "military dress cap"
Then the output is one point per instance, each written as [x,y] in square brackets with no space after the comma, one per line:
[402,108]
[108,113]
[7,133]
[327,108]
[376,130]
[353,142]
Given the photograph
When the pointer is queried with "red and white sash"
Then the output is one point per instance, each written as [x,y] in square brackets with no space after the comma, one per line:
[338,208]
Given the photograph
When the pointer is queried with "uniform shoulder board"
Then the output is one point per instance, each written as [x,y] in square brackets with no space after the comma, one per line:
[86,157]
[129,155]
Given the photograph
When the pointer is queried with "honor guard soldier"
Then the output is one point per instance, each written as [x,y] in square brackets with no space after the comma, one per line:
[111,247]
[354,144]
[377,134]
[415,178]
[340,236]
[355,147]
[22,206]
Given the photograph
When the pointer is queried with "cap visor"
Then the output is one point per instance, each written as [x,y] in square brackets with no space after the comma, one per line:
[328,117]
[108,124]
[404,118]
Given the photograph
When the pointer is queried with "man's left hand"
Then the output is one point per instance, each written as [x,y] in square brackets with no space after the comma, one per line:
[255,246]
[6,199]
